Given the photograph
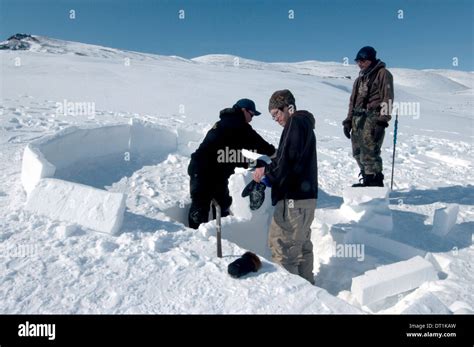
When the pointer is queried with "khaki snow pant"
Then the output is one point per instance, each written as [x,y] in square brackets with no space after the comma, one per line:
[289,238]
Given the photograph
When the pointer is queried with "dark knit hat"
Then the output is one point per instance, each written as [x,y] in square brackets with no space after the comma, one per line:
[280,99]
[366,53]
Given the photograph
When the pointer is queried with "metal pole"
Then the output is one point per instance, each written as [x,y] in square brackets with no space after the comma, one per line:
[218,226]
[394,146]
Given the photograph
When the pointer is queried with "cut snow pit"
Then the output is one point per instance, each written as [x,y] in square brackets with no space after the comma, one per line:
[82,161]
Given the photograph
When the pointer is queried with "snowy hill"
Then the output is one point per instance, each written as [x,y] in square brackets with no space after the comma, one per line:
[42,44]
[154,264]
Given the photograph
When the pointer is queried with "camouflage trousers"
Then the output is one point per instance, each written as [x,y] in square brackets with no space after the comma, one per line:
[365,150]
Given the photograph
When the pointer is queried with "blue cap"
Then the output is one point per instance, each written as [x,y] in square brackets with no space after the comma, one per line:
[248,105]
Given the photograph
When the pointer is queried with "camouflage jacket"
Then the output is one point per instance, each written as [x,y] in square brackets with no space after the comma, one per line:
[380,92]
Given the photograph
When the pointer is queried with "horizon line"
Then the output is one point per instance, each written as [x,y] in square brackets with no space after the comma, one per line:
[233,55]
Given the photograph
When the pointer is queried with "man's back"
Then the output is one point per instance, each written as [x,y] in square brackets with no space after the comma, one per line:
[220,150]
[294,173]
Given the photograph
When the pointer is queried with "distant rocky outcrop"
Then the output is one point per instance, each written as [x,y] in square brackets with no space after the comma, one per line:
[18,42]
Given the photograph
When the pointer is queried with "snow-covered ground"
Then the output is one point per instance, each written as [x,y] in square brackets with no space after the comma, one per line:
[154,264]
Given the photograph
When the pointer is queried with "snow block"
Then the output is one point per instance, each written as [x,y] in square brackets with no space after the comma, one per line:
[34,167]
[445,219]
[392,279]
[369,207]
[362,195]
[76,203]
[439,260]
[240,206]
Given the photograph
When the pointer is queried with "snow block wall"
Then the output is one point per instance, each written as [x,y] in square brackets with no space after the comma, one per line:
[148,138]
[369,207]
[102,210]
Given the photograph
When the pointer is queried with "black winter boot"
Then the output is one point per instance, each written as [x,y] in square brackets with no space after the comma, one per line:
[371,180]
[376,180]
[361,180]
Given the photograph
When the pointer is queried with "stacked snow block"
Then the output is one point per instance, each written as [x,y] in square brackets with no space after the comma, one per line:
[445,219]
[392,279]
[98,209]
[369,207]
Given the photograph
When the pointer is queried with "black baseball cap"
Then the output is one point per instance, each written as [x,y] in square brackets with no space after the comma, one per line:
[248,105]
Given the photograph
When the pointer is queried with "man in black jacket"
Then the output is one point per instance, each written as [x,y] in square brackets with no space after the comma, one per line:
[218,155]
[293,176]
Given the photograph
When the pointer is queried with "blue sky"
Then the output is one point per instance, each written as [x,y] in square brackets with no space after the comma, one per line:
[431,33]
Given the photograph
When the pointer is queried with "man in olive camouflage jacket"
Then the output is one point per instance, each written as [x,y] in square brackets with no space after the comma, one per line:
[369,113]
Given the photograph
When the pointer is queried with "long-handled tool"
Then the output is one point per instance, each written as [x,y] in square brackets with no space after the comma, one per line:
[394,146]
[218,226]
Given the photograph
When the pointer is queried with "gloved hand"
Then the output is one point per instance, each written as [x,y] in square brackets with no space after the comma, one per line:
[256,193]
[379,130]
[347,124]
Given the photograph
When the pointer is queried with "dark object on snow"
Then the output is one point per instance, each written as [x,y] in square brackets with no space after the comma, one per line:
[249,262]
[256,193]
[18,42]
[21,37]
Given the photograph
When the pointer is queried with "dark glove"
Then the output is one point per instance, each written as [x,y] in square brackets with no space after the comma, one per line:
[256,193]
[249,262]
[347,128]
[379,130]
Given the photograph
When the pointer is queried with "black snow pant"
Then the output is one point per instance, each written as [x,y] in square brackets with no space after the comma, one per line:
[203,189]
